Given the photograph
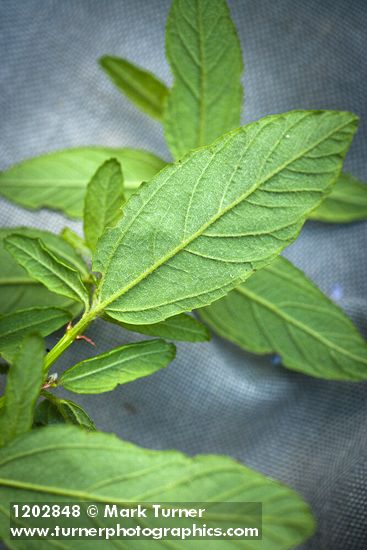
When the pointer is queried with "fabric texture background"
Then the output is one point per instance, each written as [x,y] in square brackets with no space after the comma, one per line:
[213,398]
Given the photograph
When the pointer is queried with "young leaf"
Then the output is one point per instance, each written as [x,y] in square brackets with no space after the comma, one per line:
[103,201]
[15,326]
[61,411]
[23,385]
[179,247]
[58,180]
[280,310]
[183,328]
[63,463]
[76,242]
[140,86]
[206,60]
[18,290]
[119,366]
[346,203]
[46,267]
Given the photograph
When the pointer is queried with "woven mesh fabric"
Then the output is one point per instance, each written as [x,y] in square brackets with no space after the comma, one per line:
[213,398]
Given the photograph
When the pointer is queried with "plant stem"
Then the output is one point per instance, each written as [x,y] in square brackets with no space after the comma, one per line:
[68,338]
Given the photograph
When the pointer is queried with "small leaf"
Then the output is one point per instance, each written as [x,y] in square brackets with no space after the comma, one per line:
[15,326]
[61,463]
[346,203]
[179,247]
[183,328]
[53,410]
[76,242]
[23,385]
[121,365]
[58,180]
[103,201]
[279,310]
[44,266]
[206,60]
[140,86]
[18,290]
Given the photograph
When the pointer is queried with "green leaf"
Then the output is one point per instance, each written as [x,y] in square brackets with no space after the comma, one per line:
[53,410]
[119,366]
[23,385]
[76,242]
[18,290]
[183,327]
[194,245]
[15,326]
[280,310]
[346,203]
[206,60]
[63,464]
[44,266]
[58,180]
[103,201]
[143,88]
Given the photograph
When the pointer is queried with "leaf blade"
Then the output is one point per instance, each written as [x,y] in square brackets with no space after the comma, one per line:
[103,201]
[54,410]
[202,48]
[346,203]
[182,327]
[119,366]
[59,180]
[23,385]
[199,245]
[280,310]
[44,266]
[71,460]
[15,326]
[143,88]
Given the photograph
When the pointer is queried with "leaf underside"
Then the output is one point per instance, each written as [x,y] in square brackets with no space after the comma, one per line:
[280,310]
[194,245]
[61,411]
[76,465]
[59,180]
[203,50]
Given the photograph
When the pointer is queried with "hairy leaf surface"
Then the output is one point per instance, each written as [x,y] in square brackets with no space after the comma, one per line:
[346,203]
[121,365]
[142,87]
[203,225]
[58,180]
[63,463]
[61,411]
[15,326]
[23,385]
[103,201]
[280,310]
[18,290]
[182,327]
[206,60]
[44,266]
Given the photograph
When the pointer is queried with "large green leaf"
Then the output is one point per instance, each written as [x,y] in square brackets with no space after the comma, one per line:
[15,326]
[205,56]
[195,245]
[121,365]
[182,327]
[23,385]
[103,201]
[63,464]
[47,268]
[346,203]
[58,180]
[54,410]
[280,310]
[18,290]
[143,88]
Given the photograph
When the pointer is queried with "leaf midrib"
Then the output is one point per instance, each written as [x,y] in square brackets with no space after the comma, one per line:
[298,324]
[103,305]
